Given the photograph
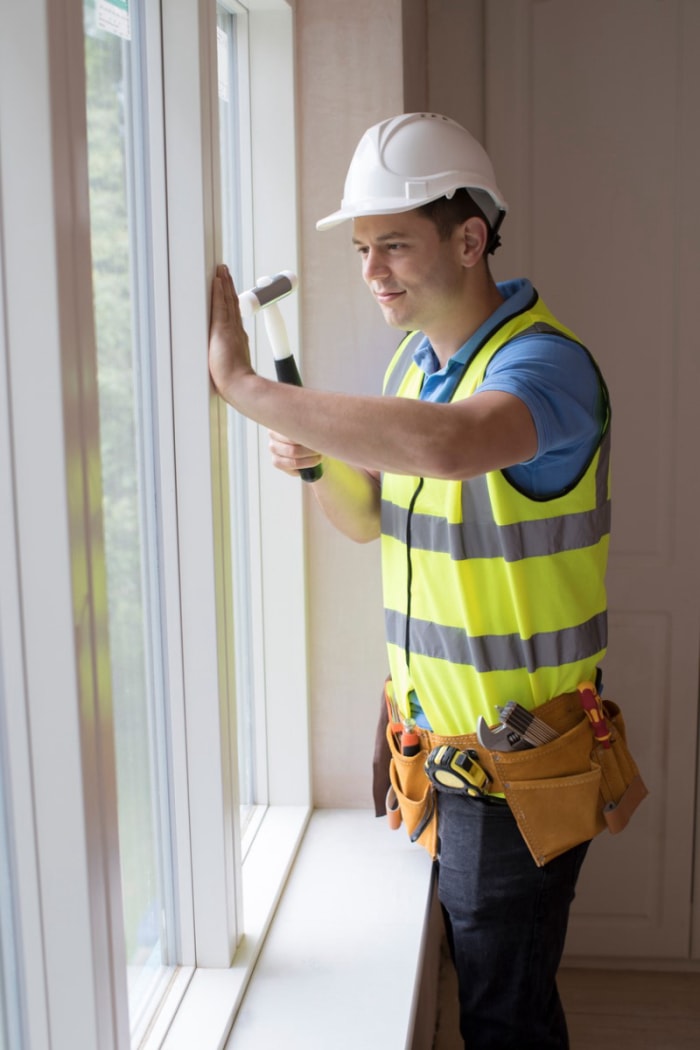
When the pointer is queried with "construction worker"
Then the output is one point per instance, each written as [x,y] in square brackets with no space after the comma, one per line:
[485,475]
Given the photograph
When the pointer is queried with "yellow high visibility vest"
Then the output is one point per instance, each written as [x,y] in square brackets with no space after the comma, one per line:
[490,595]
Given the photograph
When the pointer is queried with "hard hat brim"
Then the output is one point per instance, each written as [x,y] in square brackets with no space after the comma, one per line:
[380,206]
[333,220]
[394,207]
[377,207]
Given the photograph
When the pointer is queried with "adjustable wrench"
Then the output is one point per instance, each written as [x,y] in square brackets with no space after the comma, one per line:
[501,739]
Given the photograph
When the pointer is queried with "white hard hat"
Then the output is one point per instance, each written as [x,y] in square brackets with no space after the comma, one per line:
[409,160]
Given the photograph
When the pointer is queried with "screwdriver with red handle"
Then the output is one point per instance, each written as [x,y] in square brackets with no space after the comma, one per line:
[404,729]
[593,706]
[410,741]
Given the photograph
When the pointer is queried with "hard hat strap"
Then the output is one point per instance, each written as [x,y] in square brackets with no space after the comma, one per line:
[494,240]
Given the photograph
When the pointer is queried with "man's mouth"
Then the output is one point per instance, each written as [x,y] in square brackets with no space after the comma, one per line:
[387,297]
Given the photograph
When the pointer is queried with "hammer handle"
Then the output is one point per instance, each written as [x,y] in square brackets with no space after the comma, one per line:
[287,372]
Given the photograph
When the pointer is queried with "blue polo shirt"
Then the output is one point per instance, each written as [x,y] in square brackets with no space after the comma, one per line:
[555,378]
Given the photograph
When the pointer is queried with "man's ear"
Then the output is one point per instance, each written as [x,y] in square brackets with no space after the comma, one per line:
[473,239]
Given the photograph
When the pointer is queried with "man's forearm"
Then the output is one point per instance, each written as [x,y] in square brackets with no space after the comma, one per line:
[488,431]
[350,499]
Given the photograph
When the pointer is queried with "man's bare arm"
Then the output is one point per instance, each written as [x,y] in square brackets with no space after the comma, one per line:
[489,431]
[350,499]
[348,496]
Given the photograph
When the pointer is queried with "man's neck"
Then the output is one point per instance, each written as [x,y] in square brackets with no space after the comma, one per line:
[479,304]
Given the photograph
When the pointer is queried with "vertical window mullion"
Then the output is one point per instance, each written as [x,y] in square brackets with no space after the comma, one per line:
[190,91]
[237,252]
[280,510]
[174,778]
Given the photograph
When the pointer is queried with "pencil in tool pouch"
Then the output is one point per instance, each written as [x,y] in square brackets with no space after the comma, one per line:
[265,296]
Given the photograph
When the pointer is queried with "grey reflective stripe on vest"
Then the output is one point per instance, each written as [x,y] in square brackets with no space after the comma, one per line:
[479,536]
[541,328]
[402,365]
[508,652]
[486,539]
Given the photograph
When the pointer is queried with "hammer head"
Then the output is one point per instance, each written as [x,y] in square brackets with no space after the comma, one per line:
[268,290]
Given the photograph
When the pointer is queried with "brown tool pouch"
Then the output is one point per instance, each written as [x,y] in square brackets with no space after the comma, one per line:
[412,794]
[568,791]
[561,793]
[621,786]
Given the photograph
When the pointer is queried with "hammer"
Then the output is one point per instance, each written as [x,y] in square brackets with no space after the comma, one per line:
[265,296]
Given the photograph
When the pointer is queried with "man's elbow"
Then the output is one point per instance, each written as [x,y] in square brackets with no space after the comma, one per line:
[366,536]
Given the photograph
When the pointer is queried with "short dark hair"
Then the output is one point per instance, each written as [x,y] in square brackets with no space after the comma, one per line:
[448,212]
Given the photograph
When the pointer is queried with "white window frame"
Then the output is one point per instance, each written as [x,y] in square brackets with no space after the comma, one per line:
[28,1018]
[53,616]
[62,784]
[190,100]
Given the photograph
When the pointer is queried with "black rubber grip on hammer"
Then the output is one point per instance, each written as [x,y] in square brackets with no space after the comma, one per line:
[287,372]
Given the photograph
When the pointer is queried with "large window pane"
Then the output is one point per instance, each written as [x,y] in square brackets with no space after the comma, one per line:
[118,158]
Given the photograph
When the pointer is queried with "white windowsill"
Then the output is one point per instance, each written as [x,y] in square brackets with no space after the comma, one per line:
[343,952]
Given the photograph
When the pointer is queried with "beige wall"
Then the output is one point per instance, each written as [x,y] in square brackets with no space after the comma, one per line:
[443,59]
[358,63]
[349,77]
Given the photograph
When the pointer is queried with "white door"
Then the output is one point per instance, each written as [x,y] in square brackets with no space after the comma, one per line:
[592,122]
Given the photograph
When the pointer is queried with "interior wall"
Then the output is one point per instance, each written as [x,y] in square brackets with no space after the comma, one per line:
[349,76]
[592,127]
[443,59]
[357,64]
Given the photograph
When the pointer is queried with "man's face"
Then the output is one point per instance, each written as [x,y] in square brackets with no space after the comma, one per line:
[417,279]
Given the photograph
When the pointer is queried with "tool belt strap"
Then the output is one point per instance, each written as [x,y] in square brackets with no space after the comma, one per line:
[560,714]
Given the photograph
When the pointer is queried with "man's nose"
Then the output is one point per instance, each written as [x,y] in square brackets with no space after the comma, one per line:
[375,264]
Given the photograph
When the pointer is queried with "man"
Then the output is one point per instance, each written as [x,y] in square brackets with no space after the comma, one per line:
[484,472]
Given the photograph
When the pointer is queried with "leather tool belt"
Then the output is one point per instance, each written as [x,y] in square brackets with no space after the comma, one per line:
[561,793]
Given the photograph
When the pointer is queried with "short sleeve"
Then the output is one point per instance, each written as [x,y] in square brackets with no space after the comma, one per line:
[560,384]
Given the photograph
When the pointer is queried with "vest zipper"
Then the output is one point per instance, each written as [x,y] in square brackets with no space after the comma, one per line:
[409,573]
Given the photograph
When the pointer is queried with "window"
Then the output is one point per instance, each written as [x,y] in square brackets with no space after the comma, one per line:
[118,146]
[120,643]
[258,199]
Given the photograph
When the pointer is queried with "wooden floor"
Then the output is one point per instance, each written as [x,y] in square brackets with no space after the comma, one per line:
[622,1010]
[606,1010]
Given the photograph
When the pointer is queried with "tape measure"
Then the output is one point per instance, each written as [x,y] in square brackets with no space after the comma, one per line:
[456,771]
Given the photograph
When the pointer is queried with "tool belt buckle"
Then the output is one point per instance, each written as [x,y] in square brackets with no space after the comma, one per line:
[457,771]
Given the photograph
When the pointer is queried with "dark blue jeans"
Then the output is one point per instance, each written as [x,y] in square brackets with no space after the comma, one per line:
[506,922]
